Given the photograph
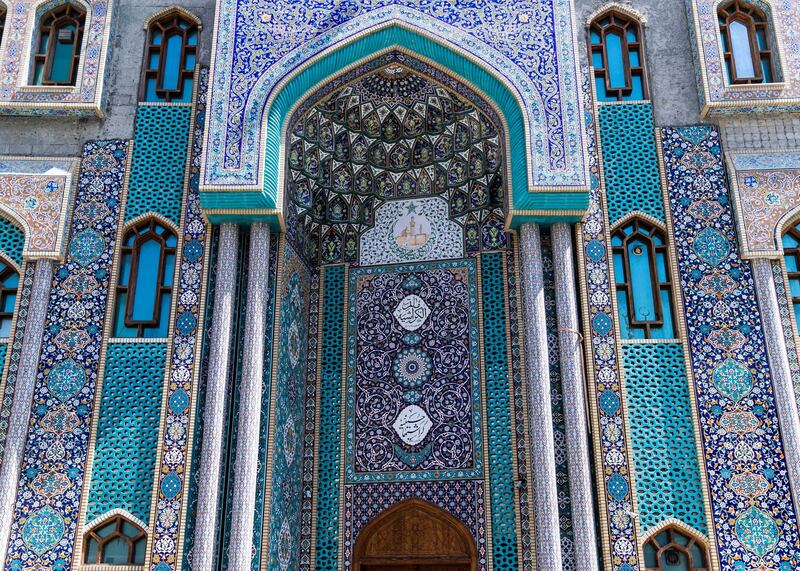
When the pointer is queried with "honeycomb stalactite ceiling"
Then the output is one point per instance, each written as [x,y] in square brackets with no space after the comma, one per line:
[392,132]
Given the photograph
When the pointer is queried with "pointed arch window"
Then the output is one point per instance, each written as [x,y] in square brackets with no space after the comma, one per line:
[9,284]
[673,550]
[2,22]
[791,258]
[170,59]
[617,55]
[115,542]
[643,282]
[57,52]
[144,290]
[746,43]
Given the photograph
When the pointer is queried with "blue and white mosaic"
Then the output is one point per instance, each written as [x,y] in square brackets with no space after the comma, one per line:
[528,44]
[45,524]
[754,517]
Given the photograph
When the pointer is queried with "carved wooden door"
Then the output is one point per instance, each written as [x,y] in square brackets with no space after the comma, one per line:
[415,536]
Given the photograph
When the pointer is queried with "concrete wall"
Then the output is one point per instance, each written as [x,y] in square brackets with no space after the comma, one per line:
[670,67]
[59,136]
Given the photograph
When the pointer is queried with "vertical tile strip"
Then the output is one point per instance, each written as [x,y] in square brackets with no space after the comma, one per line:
[754,516]
[43,533]
[171,482]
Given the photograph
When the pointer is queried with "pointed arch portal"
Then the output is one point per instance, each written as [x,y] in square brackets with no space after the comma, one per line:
[415,536]
[256,86]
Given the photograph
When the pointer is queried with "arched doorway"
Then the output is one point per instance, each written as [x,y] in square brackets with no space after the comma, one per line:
[415,536]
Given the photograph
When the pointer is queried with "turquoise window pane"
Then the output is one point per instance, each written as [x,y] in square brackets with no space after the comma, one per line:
[791,263]
[616,240]
[597,60]
[62,58]
[668,329]
[115,551]
[761,39]
[641,281]
[153,61]
[797,313]
[37,74]
[594,37]
[616,64]
[650,556]
[633,58]
[661,267]
[12,281]
[5,327]
[631,36]
[157,38]
[191,39]
[637,90]
[794,287]
[125,270]
[9,302]
[162,329]
[91,551]
[190,61]
[619,269]
[789,241]
[146,281]
[766,70]
[43,42]
[186,94]
[624,319]
[741,49]
[169,270]
[138,551]
[681,565]
[171,241]
[119,318]
[172,62]
[600,88]
[151,94]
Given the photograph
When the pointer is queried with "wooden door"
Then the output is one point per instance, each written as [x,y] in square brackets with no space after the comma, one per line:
[415,536]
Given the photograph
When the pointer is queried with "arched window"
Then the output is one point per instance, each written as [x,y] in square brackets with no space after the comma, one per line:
[57,51]
[170,58]
[644,285]
[9,283]
[144,290]
[791,257]
[746,43]
[673,550]
[617,54]
[2,22]
[115,542]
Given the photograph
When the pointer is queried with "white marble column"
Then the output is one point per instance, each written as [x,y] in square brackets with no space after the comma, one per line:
[573,389]
[245,468]
[216,392]
[23,397]
[543,463]
[779,367]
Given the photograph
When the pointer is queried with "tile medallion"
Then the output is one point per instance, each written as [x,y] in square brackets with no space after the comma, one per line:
[413,406]
[753,514]
[45,523]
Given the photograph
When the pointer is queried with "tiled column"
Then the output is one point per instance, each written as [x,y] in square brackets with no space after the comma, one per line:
[543,463]
[779,367]
[573,390]
[245,468]
[217,389]
[23,398]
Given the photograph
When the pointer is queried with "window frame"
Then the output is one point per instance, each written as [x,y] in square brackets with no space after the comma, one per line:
[165,24]
[10,268]
[744,13]
[621,23]
[626,283]
[129,290]
[62,14]
[671,530]
[118,520]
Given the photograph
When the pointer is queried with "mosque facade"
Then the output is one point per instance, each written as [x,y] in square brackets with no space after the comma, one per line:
[399,285]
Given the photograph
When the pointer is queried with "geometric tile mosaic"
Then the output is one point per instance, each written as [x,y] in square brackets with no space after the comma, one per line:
[755,522]
[46,514]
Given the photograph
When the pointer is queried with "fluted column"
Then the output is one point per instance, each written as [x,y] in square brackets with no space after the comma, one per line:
[245,468]
[543,463]
[23,398]
[779,367]
[216,392]
[573,391]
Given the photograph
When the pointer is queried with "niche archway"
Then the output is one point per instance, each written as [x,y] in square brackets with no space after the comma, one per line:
[415,536]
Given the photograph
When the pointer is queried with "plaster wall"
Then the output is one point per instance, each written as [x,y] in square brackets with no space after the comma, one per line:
[64,136]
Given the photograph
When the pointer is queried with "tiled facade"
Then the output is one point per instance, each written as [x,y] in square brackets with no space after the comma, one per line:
[400,253]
